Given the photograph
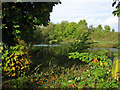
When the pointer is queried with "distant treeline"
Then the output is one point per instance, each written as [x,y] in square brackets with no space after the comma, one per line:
[72,31]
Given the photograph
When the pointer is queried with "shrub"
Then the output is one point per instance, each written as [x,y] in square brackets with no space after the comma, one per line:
[82,44]
[99,73]
[15,59]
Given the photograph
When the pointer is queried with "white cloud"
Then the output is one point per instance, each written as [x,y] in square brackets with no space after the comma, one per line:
[95,12]
[76,1]
[110,21]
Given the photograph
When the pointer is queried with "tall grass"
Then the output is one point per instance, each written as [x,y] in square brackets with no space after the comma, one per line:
[101,36]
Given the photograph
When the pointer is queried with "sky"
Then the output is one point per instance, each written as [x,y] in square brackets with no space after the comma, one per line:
[95,12]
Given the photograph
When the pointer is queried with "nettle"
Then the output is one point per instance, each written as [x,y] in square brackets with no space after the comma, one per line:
[98,71]
[15,59]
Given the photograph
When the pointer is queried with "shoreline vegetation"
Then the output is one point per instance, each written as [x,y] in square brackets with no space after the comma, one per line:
[96,44]
[65,32]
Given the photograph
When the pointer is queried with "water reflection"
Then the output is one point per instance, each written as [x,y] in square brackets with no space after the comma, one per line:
[47,45]
[110,49]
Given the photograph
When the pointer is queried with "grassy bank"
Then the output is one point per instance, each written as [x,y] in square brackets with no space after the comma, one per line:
[97,44]
[105,44]
[113,42]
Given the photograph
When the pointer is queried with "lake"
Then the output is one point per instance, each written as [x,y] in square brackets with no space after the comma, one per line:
[110,49]
[47,45]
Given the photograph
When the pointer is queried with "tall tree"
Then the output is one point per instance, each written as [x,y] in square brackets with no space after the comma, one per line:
[116,4]
[81,29]
[99,28]
[57,31]
[107,28]
[82,22]
[19,19]
[91,28]
[70,30]
[113,30]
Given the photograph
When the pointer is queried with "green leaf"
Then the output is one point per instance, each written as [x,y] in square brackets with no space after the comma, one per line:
[17,31]
[16,26]
[70,57]
[90,63]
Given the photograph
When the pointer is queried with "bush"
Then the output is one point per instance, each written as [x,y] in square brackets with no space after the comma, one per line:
[82,44]
[15,60]
[99,74]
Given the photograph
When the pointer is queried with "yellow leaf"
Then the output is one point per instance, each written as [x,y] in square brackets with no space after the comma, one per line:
[4,8]
[11,55]
[26,52]
[18,40]
[22,67]
[88,74]
[13,68]
[101,64]
[105,63]
[52,71]
[13,75]
[1,48]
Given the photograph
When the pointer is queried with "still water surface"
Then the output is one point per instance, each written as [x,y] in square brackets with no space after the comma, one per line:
[110,49]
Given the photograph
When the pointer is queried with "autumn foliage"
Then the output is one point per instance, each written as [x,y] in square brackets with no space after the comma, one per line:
[16,60]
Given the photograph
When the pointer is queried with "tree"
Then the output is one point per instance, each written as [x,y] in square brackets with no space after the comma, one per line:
[113,30]
[63,26]
[117,11]
[107,28]
[80,31]
[99,28]
[50,30]
[19,19]
[82,22]
[91,28]
[70,30]
[58,31]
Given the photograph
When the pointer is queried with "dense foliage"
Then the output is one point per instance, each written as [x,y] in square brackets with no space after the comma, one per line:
[99,73]
[15,60]
[64,30]
[67,31]
[51,66]
[19,20]
[116,4]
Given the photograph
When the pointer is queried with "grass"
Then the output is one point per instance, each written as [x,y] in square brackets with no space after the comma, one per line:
[105,44]
[97,44]
[105,40]
[113,42]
